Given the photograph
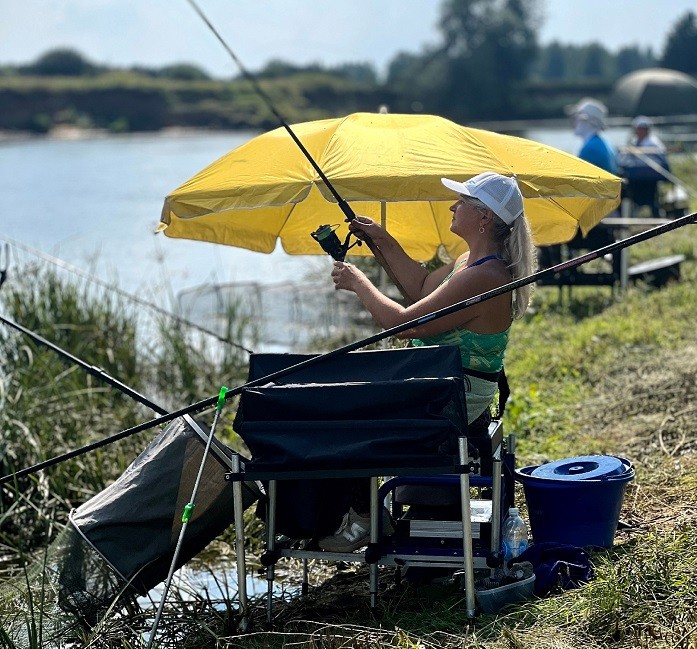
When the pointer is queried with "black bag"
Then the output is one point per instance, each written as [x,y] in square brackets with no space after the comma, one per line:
[309,509]
[360,414]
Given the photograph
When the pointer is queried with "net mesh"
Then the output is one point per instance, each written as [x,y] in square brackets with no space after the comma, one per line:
[120,544]
[287,316]
[60,596]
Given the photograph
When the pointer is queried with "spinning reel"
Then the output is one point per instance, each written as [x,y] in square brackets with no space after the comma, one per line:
[326,236]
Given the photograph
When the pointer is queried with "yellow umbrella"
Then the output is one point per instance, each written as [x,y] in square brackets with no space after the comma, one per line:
[388,167]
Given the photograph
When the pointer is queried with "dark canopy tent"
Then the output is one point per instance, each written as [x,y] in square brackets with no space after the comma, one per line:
[654,91]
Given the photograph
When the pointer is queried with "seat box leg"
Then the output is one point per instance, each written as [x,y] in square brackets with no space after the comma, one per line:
[467,553]
[375,530]
[496,495]
[239,547]
[270,548]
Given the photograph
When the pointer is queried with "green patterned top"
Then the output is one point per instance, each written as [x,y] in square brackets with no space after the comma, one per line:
[482,352]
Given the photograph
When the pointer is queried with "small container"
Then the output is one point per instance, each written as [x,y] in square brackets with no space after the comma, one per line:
[577,500]
[491,597]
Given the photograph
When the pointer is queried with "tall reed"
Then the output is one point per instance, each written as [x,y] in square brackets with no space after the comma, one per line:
[50,406]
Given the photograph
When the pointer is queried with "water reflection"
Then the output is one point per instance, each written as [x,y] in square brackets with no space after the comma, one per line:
[214,581]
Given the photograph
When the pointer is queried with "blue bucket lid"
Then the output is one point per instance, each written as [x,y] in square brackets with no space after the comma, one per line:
[583,467]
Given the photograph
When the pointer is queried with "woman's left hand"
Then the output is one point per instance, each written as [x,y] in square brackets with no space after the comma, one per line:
[346,276]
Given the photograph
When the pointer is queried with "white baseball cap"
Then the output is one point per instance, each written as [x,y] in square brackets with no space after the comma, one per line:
[641,121]
[500,194]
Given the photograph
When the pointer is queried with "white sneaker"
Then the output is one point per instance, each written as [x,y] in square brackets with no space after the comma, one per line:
[354,532]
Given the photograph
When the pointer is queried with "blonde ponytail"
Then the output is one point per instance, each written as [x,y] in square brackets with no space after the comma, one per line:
[518,252]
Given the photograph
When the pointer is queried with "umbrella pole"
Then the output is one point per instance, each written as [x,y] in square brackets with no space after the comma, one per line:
[454,308]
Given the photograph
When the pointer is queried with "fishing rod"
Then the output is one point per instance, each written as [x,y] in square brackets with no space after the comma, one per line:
[102,375]
[324,235]
[453,308]
[60,263]
[90,369]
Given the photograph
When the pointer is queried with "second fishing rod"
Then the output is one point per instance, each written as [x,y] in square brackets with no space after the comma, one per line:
[103,376]
[387,333]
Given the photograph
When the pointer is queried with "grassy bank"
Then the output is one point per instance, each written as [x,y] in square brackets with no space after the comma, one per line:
[600,374]
[133,100]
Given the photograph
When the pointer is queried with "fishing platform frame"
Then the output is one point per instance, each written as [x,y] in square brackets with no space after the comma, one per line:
[400,414]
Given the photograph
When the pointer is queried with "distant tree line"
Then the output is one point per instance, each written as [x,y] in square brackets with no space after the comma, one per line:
[488,65]
[67,62]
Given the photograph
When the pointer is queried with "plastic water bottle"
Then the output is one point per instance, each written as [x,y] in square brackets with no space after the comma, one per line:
[515,536]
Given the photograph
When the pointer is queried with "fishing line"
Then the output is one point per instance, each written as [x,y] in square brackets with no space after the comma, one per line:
[343,205]
[56,261]
[453,308]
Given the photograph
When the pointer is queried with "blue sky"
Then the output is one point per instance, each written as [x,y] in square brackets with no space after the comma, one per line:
[159,32]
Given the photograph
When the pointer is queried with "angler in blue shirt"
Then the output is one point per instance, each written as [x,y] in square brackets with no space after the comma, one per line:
[589,120]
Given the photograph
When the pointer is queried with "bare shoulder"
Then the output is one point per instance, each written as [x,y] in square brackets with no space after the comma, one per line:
[436,277]
[490,275]
[497,268]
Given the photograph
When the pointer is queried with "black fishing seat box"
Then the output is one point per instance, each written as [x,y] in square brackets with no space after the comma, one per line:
[398,414]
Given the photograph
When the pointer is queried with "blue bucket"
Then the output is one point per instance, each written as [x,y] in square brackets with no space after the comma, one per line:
[576,500]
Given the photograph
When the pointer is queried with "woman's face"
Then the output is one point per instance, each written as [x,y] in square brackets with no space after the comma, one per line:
[466,213]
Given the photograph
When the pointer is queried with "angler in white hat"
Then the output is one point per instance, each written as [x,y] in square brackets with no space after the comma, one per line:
[589,120]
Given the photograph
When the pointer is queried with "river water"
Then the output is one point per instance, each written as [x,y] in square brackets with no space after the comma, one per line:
[95,202]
